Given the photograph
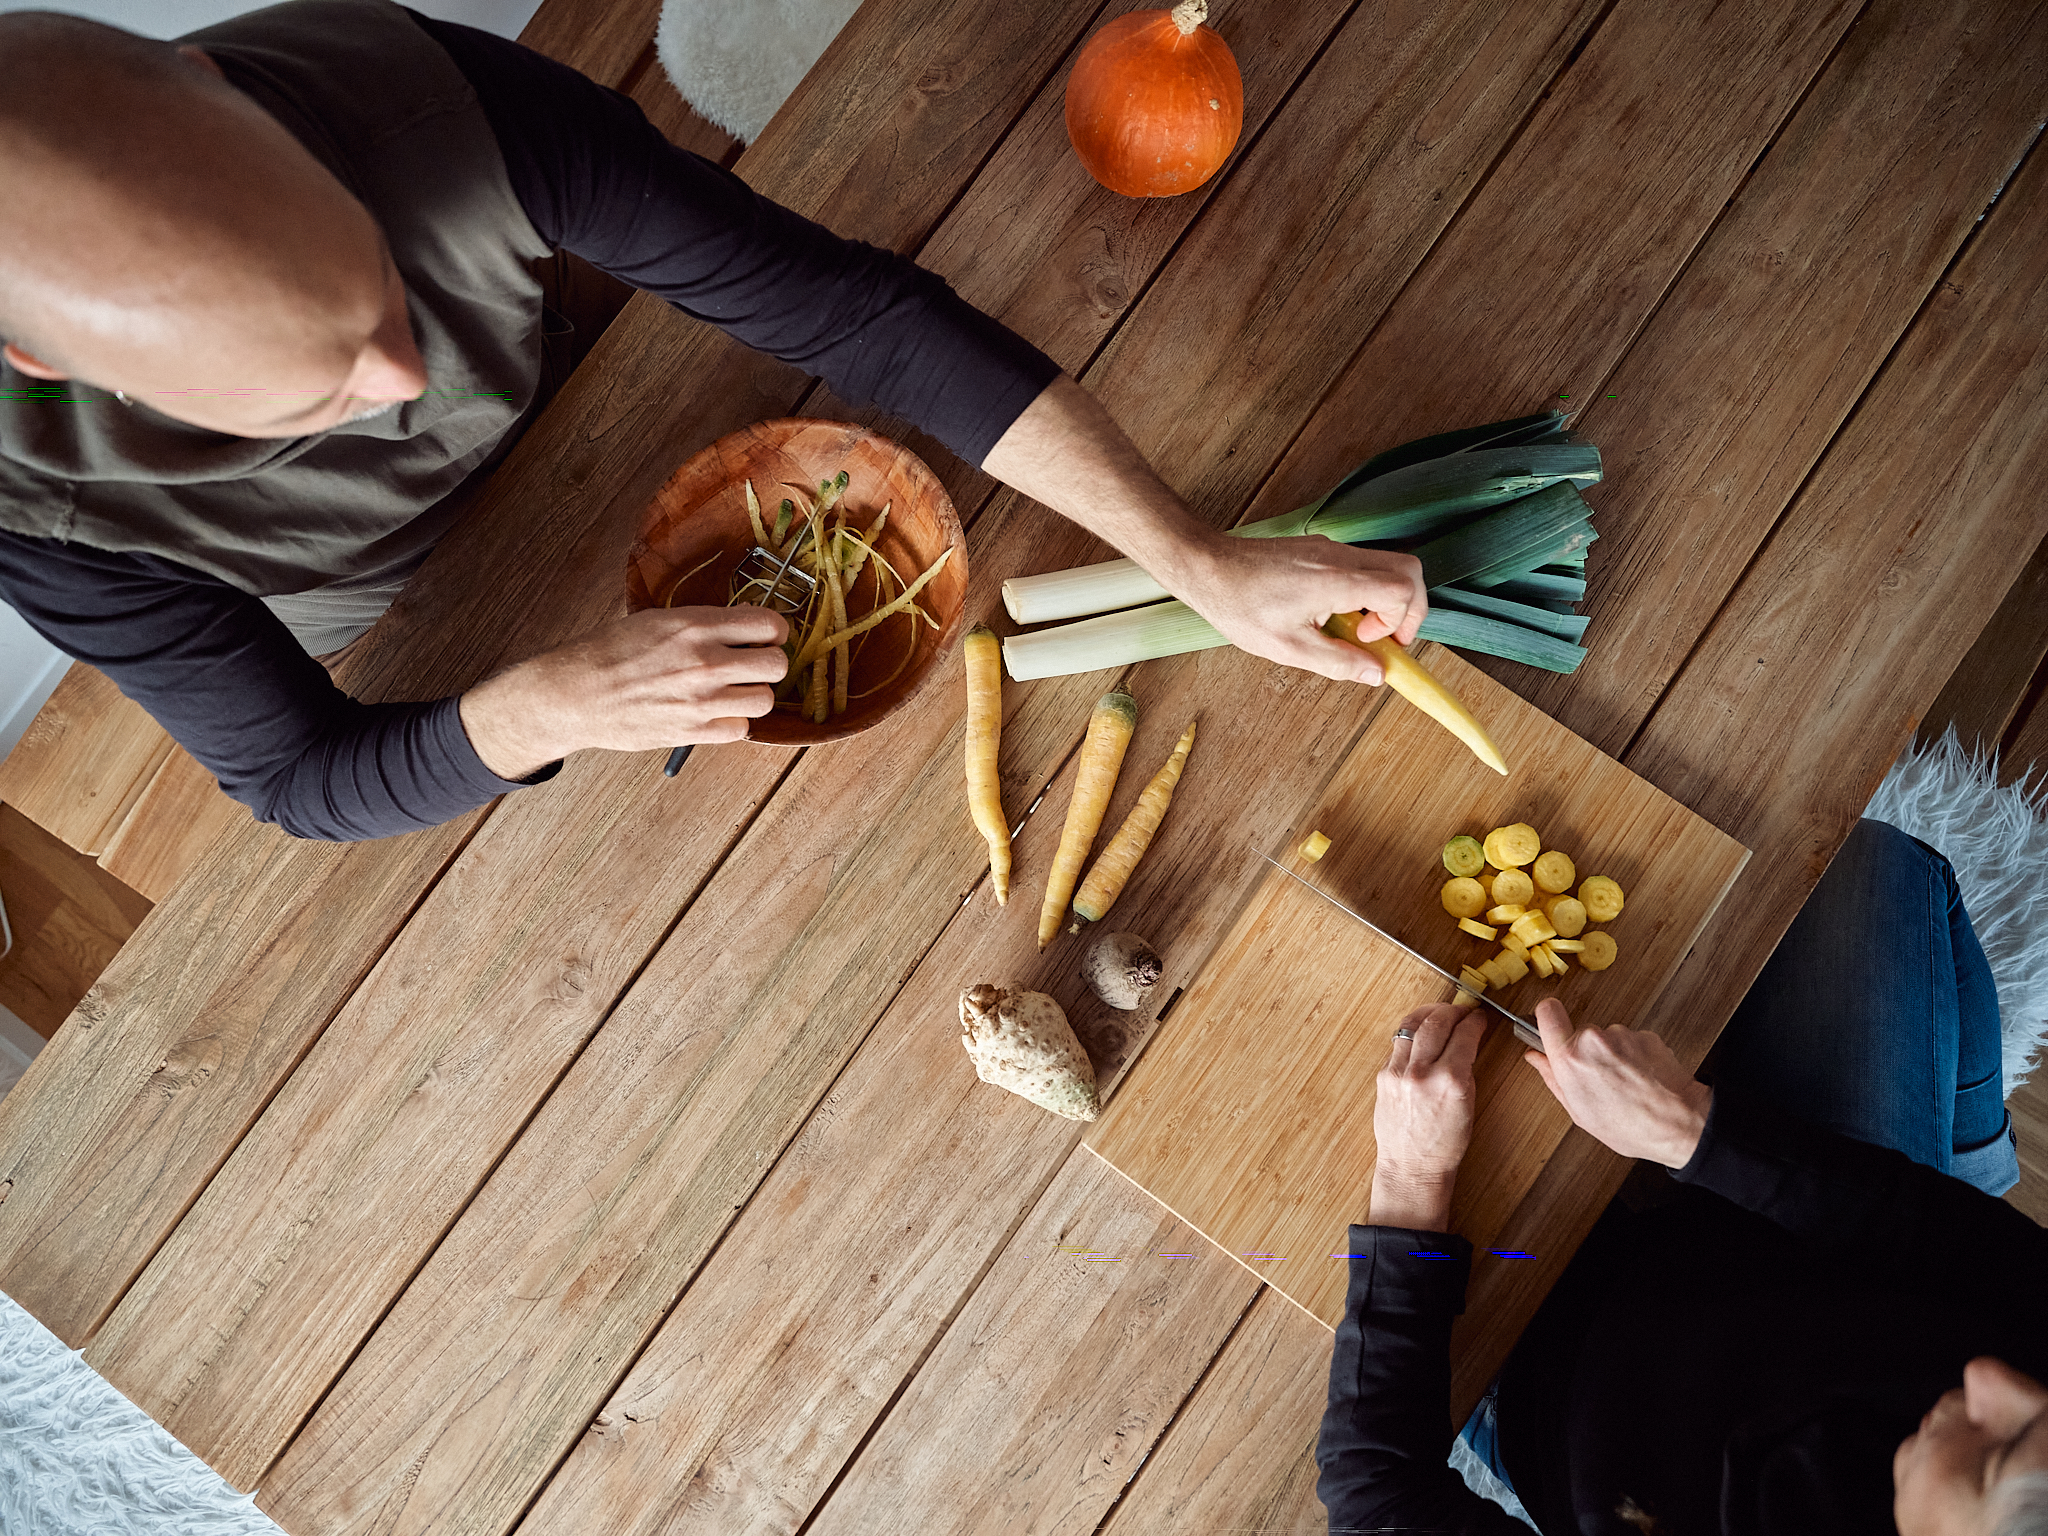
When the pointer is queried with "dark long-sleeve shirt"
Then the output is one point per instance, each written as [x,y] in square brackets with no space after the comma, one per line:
[1744,1360]
[224,676]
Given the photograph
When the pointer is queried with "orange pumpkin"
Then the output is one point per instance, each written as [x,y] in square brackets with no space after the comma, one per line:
[1155,103]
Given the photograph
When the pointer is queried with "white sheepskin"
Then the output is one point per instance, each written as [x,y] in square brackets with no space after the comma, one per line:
[78,1459]
[1997,839]
[737,61]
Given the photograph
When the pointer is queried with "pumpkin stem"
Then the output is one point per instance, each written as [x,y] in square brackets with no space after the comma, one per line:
[1190,14]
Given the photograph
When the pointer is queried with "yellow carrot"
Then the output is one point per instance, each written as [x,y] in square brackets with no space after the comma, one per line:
[984,731]
[1106,880]
[1110,726]
[1414,682]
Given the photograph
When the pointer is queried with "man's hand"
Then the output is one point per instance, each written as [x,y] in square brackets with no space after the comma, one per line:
[1272,597]
[1622,1087]
[664,677]
[1267,596]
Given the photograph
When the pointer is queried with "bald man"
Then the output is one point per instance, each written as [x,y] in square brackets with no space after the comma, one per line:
[271,313]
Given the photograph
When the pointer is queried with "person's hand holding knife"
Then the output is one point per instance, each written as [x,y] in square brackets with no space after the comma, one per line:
[1621,1086]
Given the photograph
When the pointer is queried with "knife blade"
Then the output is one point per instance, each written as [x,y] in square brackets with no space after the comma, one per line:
[1524,1031]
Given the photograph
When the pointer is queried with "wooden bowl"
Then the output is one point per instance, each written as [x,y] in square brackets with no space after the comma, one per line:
[702,512]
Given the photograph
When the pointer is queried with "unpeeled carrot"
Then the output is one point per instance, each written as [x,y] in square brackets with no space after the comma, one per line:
[984,732]
[1106,880]
[1110,725]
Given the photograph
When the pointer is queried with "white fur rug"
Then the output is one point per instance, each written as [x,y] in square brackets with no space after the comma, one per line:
[1997,839]
[78,1459]
[736,61]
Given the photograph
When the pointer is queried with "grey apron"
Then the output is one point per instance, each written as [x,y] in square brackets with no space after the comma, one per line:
[325,528]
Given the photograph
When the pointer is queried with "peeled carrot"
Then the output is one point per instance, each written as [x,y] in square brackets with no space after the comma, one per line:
[984,731]
[1106,880]
[1110,726]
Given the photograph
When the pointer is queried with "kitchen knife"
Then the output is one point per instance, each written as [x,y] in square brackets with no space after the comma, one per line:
[1524,1030]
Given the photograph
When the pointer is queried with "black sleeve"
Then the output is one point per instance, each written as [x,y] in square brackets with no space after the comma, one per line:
[598,180]
[1380,1455]
[1869,1204]
[221,673]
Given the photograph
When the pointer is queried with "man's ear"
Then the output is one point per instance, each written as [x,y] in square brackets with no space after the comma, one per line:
[201,57]
[34,367]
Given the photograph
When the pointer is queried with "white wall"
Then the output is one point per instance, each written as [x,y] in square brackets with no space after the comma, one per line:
[29,667]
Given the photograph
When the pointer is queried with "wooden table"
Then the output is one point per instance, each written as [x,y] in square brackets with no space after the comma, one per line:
[606,1159]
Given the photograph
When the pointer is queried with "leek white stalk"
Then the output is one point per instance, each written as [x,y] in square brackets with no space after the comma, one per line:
[1110,640]
[1173,628]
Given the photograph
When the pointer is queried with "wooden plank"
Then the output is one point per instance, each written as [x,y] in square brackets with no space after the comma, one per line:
[330,1463]
[1800,294]
[1251,1114]
[258,1298]
[1984,695]
[69,919]
[606,40]
[1240,1455]
[567,500]
[84,760]
[2025,746]
[171,826]
[177,1047]
[191,1030]
[1122,1337]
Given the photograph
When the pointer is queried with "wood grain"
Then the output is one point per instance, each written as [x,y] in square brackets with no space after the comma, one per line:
[1649,133]
[2024,748]
[1992,684]
[605,42]
[174,1052]
[1056,1351]
[1240,1455]
[69,918]
[1770,339]
[1251,1114]
[170,826]
[293,1489]
[1091,253]
[446,631]
[84,760]
[258,1298]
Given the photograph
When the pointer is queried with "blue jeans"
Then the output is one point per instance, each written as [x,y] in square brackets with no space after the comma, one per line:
[1876,1017]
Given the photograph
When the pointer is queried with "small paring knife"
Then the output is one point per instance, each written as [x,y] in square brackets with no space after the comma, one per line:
[1524,1031]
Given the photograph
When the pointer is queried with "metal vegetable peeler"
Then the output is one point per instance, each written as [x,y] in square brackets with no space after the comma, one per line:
[788,591]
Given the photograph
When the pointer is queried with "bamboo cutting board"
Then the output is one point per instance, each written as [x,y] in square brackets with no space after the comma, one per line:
[1250,1114]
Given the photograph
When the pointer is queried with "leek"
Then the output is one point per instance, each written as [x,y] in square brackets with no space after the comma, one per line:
[1543,620]
[1411,501]
[1493,514]
[1542,586]
[1534,529]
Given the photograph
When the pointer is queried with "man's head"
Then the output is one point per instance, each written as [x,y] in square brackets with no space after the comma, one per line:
[1974,1441]
[162,235]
